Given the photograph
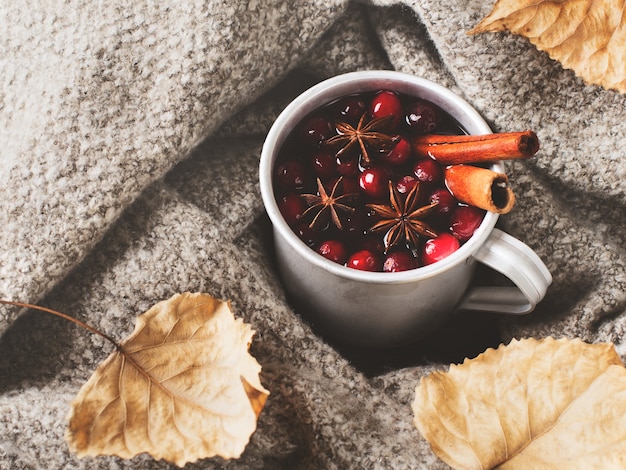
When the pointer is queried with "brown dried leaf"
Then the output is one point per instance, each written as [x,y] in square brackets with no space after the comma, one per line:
[531,404]
[587,36]
[182,387]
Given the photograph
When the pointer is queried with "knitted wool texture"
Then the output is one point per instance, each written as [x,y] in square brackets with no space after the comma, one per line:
[131,138]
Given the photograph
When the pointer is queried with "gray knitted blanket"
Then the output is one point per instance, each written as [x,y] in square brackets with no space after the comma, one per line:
[130,140]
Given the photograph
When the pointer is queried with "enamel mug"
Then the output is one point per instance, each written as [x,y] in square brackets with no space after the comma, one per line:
[378,309]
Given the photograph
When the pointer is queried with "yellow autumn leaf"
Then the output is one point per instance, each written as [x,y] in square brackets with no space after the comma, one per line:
[548,404]
[182,387]
[586,36]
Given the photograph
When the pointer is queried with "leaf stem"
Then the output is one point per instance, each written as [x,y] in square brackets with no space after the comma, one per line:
[64,316]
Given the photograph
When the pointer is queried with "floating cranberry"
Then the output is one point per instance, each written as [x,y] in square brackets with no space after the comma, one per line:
[398,155]
[405,184]
[446,202]
[374,182]
[291,206]
[387,103]
[348,166]
[399,261]
[422,117]
[290,175]
[372,243]
[439,248]
[333,250]
[350,109]
[324,164]
[316,129]
[464,221]
[365,260]
[427,171]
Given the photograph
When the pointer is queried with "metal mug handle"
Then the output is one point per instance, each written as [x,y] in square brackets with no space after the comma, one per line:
[520,264]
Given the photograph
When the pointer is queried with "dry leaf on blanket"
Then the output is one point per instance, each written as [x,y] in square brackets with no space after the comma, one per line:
[182,387]
[587,36]
[531,404]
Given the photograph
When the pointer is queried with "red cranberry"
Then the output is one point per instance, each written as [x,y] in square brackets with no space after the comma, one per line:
[464,221]
[400,154]
[374,182]
[387,103]
[290,175]
[333,250]
[324,164]
[427,171]
[348,166]
[365,260]
[316,129]
[446,202]
[399,261]
[291,206]
[422,117]
[436,249]
[372,243]
[350,109]
[405,184]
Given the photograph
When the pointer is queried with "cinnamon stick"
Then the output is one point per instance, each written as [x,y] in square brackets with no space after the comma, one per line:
[480,187]
[458,149]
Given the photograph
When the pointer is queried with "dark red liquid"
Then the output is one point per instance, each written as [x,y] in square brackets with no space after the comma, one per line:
[307,156]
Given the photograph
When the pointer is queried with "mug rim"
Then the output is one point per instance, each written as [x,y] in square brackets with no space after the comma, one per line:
[334,88]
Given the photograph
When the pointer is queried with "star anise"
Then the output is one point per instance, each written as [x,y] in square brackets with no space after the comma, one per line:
[327,206]
[365,135]
[403,219]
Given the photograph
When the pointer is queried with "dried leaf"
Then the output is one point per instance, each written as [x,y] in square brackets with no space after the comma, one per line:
[531,404]
[587,36]
[182,387]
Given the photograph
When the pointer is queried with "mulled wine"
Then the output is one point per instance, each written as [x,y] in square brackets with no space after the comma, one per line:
[351,186]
